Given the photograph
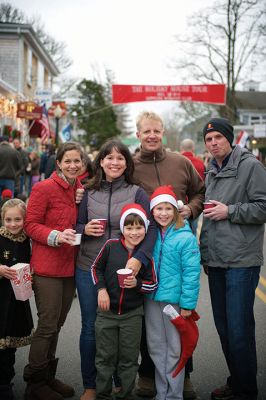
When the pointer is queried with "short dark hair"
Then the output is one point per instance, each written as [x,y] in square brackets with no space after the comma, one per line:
[106,149]
[132,219]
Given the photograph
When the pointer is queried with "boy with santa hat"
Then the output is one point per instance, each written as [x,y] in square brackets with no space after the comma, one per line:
[120,309]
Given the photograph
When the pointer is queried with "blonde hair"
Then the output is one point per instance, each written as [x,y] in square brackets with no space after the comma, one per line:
[13,203]
[148,115]
[178,219]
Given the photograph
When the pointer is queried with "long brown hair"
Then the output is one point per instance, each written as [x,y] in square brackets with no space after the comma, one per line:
[106,149]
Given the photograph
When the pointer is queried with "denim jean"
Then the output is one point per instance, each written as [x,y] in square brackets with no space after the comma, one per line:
[88,303]
[232,293]
[7,184]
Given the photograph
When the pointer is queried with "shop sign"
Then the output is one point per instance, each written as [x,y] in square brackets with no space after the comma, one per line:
[44,96]
[29,110]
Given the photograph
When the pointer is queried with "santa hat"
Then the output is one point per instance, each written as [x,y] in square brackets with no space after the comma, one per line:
[163,194]
[133,208]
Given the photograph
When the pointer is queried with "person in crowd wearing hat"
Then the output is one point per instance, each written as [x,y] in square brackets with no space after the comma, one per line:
[154,166]
[6,195]
[177,263]
[120,306]
[10,165]
[231,245]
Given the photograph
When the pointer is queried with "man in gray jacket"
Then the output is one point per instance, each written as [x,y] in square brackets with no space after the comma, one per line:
[232,252]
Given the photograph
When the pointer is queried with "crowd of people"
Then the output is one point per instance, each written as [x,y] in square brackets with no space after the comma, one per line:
[137,213]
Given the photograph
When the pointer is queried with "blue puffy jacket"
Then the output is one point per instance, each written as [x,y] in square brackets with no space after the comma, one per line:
[177,264]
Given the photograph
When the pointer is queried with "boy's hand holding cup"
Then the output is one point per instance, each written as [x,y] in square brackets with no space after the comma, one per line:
[130,282]
[125,278]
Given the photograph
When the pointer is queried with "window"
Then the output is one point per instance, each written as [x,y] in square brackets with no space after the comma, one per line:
[29,67]
[245,119]
[40,78]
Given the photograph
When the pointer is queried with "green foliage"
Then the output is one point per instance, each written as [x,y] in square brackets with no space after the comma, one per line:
[95,113]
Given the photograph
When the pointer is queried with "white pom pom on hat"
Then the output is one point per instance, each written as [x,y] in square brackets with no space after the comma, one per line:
[133,208]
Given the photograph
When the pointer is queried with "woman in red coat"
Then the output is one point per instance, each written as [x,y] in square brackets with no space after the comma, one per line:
[51,216]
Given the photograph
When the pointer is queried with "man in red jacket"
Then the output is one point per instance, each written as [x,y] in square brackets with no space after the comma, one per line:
[187,148]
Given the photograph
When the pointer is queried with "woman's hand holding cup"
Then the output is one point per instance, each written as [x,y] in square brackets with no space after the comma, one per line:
[67,236]
[94,228]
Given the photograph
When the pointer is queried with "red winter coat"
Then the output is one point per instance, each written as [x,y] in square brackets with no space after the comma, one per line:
[51,207]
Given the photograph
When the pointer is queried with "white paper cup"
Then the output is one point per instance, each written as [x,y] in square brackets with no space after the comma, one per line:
[21,285]
[78,239]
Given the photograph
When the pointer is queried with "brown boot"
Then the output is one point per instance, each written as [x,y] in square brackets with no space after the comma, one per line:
[58,386]
[89,394]
[188,391]
[145,387]
[37,388]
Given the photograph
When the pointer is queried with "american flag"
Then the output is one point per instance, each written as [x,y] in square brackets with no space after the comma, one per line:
[45,127]
[242,139]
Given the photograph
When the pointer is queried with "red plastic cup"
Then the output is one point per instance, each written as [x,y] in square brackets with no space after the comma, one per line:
[208,204]
[122,275]
[103,222]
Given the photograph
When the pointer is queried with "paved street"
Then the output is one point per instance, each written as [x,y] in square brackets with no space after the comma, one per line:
[209,366]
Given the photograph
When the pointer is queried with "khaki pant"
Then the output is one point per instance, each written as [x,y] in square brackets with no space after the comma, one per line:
[117,350]
[53,297]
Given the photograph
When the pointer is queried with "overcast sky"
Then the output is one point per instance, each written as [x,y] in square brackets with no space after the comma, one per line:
[133,38]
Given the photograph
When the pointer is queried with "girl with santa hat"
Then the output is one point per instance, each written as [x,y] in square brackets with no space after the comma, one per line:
[177,264]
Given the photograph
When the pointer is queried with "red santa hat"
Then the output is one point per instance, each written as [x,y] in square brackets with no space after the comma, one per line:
[163,194]
[133,208]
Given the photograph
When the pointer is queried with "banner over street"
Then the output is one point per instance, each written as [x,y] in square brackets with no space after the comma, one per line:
[213,94]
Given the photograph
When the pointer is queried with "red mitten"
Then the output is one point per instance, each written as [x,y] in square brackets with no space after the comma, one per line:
[189,335]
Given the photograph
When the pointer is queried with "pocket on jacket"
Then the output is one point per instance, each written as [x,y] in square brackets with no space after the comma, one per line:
[231,243]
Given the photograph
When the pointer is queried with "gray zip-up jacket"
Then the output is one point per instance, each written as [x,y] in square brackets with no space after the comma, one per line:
[108,203]
[238,240]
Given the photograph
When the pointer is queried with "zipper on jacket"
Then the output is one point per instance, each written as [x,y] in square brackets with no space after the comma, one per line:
[121,301]
[159,262]
[109,208]
[156,169]
[122,289]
